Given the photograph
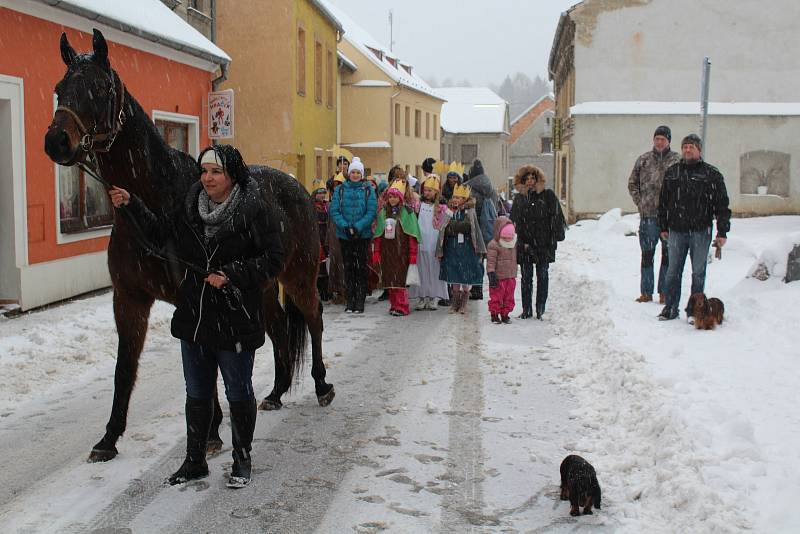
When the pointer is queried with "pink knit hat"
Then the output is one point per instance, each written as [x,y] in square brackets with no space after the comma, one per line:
[507,232]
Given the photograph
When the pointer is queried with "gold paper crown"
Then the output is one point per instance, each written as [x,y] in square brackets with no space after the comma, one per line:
[462,191]
[339,178]
[440,168]
[432,181]
[456,167]
[400,186]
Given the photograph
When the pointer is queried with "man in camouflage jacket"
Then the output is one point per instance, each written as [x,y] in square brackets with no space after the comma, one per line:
[644,186]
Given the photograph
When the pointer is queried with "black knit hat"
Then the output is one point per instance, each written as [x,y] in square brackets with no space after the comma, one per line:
[665,131]
[231,160]
[341,159]
[693,139]
[427,165]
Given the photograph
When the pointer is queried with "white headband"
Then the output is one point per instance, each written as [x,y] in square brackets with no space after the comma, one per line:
[210,156]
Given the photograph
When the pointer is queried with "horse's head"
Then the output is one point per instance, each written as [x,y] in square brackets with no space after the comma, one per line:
[90,101]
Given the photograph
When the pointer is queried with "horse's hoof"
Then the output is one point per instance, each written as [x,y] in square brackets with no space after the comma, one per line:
[102,455]
[214,446]
[270,404]
[327,398]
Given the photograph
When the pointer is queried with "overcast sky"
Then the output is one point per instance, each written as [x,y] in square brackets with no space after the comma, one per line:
[478,40]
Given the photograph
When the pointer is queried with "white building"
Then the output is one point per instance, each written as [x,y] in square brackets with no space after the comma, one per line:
[475,125]
[622,68]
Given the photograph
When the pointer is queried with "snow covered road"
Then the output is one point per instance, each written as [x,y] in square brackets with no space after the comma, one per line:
[441,423]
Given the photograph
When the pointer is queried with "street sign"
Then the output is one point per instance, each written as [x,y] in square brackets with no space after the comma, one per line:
[220,114]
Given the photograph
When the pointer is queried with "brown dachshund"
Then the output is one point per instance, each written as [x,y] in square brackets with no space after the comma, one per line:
[708,313]
[579,485]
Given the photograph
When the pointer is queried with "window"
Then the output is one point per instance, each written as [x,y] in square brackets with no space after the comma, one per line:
[176,134]
[397,119]
[408,122]
[82,202]
[318,167]
[330,166]
[330,77]
[301,168]
[417,123]
[435,125]
[301,61]
[547,145]
[427,125]
[408,167]
[469,153]
[418,172]
[317,72]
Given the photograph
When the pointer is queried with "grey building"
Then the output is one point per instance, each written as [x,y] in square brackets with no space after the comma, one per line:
[531,141]
[475,125]
[198,13]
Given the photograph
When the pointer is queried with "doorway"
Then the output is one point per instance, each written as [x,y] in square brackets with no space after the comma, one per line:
[10,113]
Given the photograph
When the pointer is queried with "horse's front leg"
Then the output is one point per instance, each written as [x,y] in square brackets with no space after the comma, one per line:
[131,314]
[312,311]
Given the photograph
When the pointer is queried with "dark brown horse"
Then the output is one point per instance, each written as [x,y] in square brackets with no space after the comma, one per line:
[98,123]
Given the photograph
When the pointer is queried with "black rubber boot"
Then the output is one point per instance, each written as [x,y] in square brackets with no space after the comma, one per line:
[198,422]
[243,424]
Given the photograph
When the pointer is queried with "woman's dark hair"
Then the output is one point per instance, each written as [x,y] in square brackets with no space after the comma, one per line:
[396,173]
[341,159]
[232,162]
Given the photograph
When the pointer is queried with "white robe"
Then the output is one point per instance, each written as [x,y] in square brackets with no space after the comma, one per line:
[427,263]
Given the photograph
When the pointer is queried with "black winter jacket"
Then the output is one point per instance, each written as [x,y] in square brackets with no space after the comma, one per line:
[540,225]
[247,249]
[691,197]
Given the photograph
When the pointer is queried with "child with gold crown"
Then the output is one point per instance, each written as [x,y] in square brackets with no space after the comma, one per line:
[460,248]
[430,215]
[394,248]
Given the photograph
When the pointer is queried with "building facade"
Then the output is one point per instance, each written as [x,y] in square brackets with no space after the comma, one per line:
[531,141]
[54,221]
[284,80]
[389,115]
[198,13]
[615,82]
[475,125]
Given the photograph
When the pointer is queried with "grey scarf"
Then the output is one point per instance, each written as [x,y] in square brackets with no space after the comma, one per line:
[213,214]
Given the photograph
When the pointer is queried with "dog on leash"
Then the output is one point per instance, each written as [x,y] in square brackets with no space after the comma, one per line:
[579,485]
[708,312]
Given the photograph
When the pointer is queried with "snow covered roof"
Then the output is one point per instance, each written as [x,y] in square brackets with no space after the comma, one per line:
[399,71]
[148,19]
[684,108]
[349,63]
[473,110]
[551,96]
[369,144]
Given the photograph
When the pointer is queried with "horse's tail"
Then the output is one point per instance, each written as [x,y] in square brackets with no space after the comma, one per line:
[297,334]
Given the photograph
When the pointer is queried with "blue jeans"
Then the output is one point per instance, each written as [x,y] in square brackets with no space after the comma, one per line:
[200,372]
[696,243]
[648,240]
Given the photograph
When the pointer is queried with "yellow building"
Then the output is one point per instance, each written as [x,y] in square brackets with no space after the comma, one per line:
[285,78]
[388,115]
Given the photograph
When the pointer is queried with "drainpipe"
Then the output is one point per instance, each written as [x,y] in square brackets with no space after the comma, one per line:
[393,127]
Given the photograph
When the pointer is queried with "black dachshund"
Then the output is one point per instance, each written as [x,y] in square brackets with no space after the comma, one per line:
[579,485]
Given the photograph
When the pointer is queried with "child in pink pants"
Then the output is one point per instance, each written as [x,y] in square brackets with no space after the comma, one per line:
[501,264]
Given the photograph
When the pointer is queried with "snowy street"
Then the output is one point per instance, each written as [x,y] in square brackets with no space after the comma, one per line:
[441,423]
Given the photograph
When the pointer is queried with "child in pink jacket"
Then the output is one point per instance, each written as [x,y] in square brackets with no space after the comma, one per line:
[501,264]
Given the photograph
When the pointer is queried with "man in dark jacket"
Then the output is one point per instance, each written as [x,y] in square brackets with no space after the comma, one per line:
[644,186]
[692,196]
[482,190]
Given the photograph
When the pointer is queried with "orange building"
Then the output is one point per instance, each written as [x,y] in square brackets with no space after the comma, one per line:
[54,221]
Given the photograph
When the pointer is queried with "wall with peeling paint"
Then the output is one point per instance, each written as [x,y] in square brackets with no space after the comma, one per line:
[653,49]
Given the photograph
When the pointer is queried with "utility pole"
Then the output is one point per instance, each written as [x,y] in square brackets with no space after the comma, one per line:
[704,82]
[391,28]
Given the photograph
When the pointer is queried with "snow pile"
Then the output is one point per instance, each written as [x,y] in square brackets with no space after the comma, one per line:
[774,257]
[686,428]
[49,348]
[613,222]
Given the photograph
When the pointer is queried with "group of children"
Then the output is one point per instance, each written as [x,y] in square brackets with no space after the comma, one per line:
[419,244]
